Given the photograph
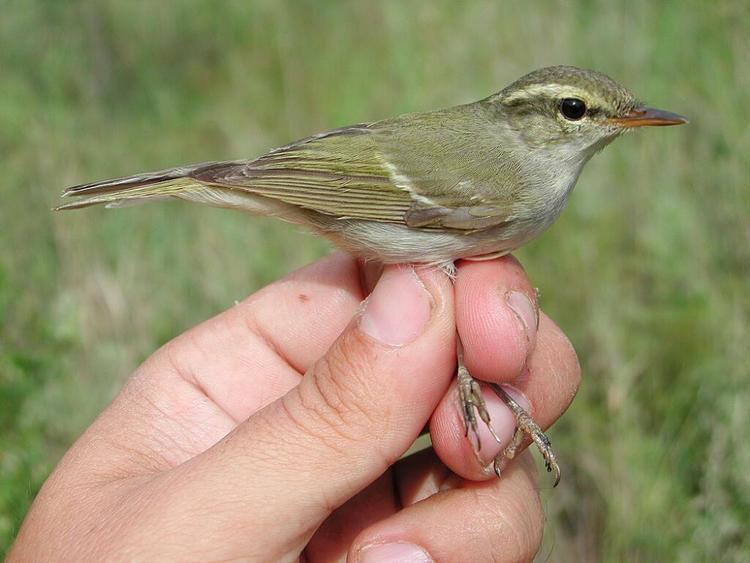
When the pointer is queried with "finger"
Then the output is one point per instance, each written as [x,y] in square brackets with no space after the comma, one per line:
[354,413]
[498,520]
[497,317]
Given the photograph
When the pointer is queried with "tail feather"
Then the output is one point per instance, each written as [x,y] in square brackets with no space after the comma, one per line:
[133,189]
[126,194]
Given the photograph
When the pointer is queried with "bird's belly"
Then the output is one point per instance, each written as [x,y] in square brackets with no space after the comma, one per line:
[391,243]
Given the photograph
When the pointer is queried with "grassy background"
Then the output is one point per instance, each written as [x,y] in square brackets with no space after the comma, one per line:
[647,270]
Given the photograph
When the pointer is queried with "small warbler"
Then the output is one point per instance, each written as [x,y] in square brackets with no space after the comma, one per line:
[474,181]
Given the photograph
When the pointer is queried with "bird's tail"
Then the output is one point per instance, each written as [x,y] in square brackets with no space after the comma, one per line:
[174,182]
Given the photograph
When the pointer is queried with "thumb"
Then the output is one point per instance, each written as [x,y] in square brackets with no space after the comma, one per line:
[284,470]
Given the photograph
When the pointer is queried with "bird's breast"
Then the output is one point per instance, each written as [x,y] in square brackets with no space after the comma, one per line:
[547,190]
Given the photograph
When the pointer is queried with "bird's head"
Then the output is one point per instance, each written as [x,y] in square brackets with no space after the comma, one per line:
[573,111]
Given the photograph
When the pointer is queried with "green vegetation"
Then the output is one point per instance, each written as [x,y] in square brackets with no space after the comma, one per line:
[647,270]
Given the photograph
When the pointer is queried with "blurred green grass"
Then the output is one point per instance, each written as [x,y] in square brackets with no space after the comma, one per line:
[647,270]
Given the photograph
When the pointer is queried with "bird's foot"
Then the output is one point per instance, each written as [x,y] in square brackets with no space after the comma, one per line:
[525,426]
[473,405]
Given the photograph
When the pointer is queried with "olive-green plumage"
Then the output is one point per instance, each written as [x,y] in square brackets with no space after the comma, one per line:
[471,181]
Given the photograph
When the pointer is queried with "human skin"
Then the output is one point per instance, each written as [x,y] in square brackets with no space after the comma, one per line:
[273,431]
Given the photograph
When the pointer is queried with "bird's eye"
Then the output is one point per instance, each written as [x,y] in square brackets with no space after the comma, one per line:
[572,108]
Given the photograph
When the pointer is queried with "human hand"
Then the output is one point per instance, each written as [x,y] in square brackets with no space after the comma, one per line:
[272,431]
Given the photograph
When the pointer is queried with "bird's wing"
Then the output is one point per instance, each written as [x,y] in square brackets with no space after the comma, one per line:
[455,167]
[387,172]
[337,173]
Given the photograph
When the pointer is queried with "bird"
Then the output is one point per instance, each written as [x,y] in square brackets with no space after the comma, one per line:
[474,181]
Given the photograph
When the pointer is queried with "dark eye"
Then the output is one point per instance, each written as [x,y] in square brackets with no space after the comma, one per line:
[572,108]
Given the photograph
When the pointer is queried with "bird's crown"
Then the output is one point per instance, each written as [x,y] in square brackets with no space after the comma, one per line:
[548,86]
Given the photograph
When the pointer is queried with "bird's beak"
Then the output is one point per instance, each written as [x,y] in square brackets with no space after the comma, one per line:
[643,116]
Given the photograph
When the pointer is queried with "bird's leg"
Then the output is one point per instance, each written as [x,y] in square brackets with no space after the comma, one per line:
[472,402]
[525,425]
[473,405]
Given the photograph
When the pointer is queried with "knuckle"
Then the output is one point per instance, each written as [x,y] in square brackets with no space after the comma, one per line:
[339,392]
[315,423]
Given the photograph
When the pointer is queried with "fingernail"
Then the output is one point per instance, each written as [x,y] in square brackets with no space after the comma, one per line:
[525,312]
[392,553]
[398,309]
[502,421]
